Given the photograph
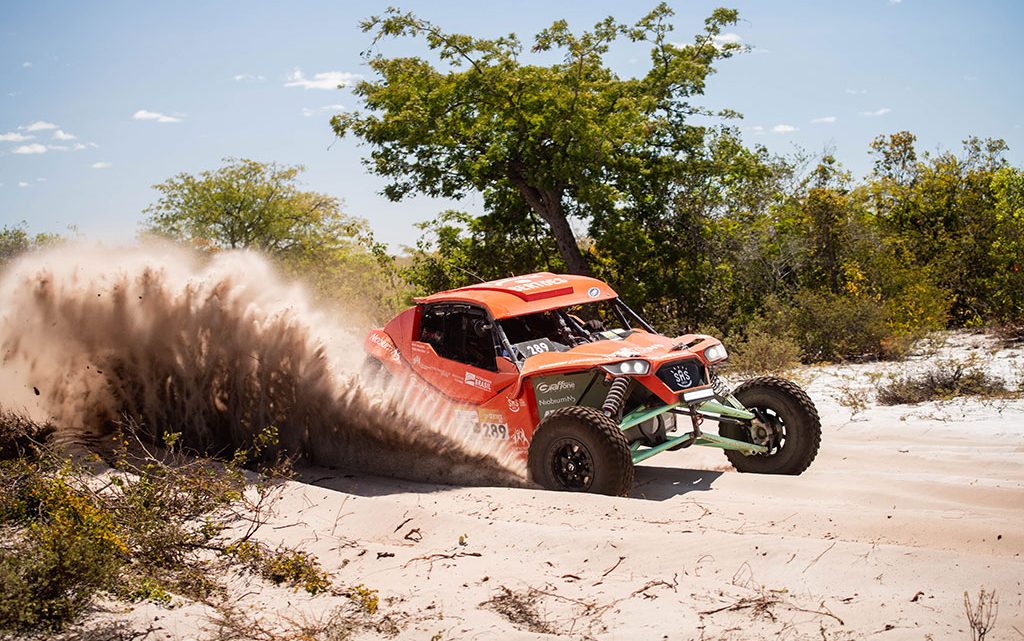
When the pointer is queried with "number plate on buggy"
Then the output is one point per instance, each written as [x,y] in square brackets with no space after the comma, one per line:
[682,375]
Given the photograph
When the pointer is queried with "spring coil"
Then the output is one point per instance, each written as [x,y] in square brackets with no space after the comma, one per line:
[719,385]
[616,396]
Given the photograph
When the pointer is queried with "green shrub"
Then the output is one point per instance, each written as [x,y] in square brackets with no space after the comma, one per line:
[286,565]
[67,547]
[760,352]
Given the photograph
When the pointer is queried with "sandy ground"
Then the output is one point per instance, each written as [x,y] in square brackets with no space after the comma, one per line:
[904,510]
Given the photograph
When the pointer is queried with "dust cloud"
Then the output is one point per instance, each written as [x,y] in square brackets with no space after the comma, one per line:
[217,349]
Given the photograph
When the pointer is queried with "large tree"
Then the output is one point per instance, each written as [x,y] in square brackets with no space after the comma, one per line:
[566,139]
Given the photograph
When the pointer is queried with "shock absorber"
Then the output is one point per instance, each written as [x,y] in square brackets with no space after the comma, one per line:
[616,396]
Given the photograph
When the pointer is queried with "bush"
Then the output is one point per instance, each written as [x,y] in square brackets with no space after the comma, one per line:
[760,352]
[945,380]
[66,547]
[148,532]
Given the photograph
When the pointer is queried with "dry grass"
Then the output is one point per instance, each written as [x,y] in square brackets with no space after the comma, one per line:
[943,381]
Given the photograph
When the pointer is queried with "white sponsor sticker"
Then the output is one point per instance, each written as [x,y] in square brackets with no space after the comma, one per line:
[544,388]
[478,382]
[593,292]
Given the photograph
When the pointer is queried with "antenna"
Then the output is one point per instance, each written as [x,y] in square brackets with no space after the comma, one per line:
[466,271]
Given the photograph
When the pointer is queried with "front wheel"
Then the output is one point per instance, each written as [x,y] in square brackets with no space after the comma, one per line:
[787,424]
[579,449]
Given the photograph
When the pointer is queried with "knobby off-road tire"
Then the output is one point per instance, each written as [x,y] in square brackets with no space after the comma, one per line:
[579,449]
[783,401]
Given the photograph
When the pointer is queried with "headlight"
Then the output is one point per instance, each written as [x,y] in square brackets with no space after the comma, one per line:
[716,353]
[629,368]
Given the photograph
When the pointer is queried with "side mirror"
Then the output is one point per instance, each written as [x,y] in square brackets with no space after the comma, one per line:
[481,327]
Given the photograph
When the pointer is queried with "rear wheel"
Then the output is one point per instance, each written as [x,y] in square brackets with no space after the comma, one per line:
[579,449]
[787,423]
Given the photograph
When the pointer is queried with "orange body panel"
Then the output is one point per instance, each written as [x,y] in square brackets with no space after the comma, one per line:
[527,294]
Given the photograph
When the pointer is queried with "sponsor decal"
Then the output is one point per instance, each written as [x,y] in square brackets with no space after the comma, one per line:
[526,285]
[385,345]
[593,292]
[514,405]
[682,377]
[545,388]
[518,438]
[478,382]
[565,400]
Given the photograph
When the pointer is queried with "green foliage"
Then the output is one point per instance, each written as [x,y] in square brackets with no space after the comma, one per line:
[283,565]
[67,547]
[368,600]
[247,204]
[152,529]
[567,139]
[458,249]
[15,241]
[760,352]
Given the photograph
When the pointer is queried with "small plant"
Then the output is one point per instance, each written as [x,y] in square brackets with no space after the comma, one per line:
[283,565]
[943,381]
[368,600]
[982,615]
[856,400]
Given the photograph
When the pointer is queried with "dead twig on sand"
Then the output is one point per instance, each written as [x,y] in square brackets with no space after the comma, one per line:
[818,558]
[610,570]
[430,558]
[982,616]
[655,583]
[760,606]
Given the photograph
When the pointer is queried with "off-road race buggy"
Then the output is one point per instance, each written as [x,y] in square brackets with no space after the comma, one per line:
[583,387]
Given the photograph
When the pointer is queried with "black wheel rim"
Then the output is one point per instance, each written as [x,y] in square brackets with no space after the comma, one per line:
[572,465]
[776,426]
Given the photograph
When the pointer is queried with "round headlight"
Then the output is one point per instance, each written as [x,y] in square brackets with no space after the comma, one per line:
[716,353]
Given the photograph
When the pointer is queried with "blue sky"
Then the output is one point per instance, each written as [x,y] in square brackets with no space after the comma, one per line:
[101,100]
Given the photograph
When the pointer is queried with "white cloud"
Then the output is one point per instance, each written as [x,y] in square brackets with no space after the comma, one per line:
[824,120]
[78,147]
[58,147]
[324,80]
[727,39]
[247,76]
[26,64]
[784,129]
[39,125]
[876,112]
[142,114]
[40,180]
[101,165]
[757,129]
[13,136]
[60,134]
[309,111]
[895,1]
[856,92]
[34,148]
[22,183]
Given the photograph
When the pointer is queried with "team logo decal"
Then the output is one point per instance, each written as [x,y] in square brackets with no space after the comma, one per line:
[593,292]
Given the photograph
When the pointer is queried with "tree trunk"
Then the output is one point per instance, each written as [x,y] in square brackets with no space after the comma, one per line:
[548,205]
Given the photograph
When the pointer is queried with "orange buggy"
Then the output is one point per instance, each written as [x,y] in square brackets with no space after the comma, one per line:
[566,372]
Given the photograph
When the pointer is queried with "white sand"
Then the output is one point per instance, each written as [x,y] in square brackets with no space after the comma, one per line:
[904,509]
